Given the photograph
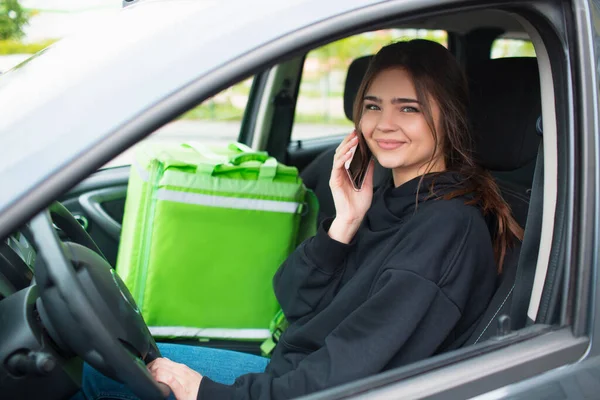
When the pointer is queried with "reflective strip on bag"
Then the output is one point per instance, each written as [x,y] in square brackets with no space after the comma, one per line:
[229,202]
[213,333]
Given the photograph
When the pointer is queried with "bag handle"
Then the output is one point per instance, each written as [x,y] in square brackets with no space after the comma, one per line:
[267,171]
[240,147]
[204,151]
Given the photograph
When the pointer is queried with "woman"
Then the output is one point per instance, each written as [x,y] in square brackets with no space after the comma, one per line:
[396,276]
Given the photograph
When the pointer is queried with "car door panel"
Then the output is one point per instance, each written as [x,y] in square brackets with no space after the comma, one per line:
[301,153]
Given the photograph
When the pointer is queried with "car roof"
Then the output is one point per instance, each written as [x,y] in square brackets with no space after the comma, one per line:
[74,94]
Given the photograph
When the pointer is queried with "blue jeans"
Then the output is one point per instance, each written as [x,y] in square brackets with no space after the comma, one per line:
[221,366]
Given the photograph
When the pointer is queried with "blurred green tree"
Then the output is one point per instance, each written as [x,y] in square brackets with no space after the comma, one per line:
[13,19]
[341,53]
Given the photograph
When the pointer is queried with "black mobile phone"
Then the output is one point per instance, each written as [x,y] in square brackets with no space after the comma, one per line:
[357,166]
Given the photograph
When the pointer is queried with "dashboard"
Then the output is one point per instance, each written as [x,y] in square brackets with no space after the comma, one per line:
[47,328]
[32,364]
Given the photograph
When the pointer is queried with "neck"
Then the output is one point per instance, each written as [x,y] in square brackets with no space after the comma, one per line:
[402,175]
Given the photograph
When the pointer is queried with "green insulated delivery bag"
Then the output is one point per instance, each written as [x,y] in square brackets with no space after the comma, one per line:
[204,231]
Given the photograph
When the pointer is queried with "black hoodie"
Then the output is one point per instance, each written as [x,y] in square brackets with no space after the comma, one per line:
[412,283]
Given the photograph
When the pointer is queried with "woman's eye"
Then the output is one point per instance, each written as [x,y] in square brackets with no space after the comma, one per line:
[371,107]
[408,109]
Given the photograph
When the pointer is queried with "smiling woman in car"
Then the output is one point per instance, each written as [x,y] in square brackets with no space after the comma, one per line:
[399,274]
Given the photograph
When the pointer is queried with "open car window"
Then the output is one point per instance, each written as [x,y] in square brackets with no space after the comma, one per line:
[216,120]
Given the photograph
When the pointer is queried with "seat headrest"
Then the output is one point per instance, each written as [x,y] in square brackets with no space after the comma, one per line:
[356,72]
[505,107]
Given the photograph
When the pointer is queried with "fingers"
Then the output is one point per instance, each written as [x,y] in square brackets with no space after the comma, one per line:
[344,151]
[171,380]
[183,381]
[340,160]
[164,364]
[348,138]
[349,141]
[158,363]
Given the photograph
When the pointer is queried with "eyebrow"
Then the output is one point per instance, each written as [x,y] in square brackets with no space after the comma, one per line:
[395,100]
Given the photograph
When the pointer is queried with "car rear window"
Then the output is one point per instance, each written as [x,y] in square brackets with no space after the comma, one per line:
[507,47]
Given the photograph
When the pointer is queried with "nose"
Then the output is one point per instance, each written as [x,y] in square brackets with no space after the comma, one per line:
[387,122]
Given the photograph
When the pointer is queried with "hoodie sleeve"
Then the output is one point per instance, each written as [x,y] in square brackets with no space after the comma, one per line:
[304,280]
[391,322]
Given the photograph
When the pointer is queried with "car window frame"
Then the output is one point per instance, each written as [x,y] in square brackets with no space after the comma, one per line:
[251,112]
[585,278]
[542,347]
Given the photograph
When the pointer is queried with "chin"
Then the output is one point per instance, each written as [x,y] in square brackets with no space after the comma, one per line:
[389,163]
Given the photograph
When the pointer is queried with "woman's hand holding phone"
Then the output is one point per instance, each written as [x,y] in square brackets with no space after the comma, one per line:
[351,205]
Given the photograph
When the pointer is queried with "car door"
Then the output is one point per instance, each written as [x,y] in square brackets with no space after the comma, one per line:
[563,301]
[98,203]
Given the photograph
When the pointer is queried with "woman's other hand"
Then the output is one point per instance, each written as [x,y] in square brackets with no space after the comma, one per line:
[350,205]
[183,381]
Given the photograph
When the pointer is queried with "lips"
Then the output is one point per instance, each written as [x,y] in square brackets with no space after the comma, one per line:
[389,144]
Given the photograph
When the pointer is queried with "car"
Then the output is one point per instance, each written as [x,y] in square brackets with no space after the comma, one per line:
[72,114]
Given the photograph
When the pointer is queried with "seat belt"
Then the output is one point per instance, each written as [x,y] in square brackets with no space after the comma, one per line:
[278,325]
[530,247]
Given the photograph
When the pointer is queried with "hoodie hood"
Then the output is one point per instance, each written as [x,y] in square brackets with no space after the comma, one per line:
[392,205]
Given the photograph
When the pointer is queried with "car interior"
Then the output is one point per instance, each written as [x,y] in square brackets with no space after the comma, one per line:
[512,111]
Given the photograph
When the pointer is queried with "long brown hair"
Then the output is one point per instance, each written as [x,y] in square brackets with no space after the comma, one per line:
[436,75]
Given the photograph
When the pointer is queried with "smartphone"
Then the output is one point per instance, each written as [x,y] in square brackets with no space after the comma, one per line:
[357,166]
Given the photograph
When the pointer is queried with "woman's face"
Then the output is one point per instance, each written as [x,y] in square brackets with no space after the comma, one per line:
[395,128]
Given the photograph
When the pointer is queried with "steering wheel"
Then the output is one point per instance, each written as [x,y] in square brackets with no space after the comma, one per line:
[86,307]
[64,220]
